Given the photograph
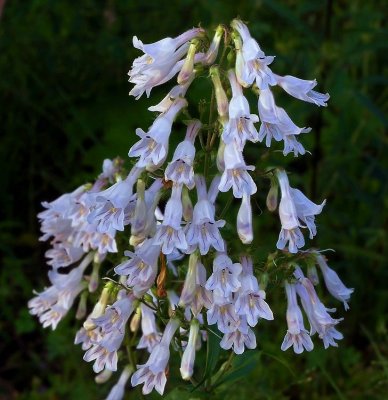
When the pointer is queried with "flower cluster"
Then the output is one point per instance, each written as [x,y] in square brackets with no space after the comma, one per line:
[174,282]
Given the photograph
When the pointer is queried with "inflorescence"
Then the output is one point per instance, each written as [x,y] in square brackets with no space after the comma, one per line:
[175,283]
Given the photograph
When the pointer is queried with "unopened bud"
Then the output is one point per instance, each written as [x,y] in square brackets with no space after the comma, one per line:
[264,279]
[135,321]
[94,278]
[99,308]
[244,220]
[220,156]
[187,205]
[312,274]
[190,284]
[188,66]
[212,52]
[103,376]
[82,308]
[140,214]
[222,100]
[272,197]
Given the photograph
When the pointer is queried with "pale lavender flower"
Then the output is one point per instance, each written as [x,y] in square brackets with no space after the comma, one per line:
[153,373]
[141,268]
[333,283]
[317,314]
[117,391]
[54,302]
[302,89]
[63,254]
[238,337]
[250,301]
[251,61]
[108,207]
[295,206]
[152,148]
[180,169]
[297,335]
[235,174]
[222,312]
[225,276]
[188,358]
[170,233]
[203,231]
[276,124]
[239,127]
[160,62]
[150,333]
[87,337]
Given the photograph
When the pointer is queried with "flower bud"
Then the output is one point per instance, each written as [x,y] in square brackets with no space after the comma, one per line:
[212,52]
[139,217]
[82,307]
[187,205]
[103,376]
[244,220]
[94,278]
[220,156]
[312,274]
[222,100]
[188,358]
[188,66]
[190,284]
[272,198]
[135,321]
[99,308]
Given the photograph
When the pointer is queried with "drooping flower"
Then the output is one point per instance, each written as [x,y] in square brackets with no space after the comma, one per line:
[203,231]
[188,358]
[239,336]
[240,126]
[333,283]
[152,374]
[297,335]
[302,89]
[152,148]
[295,207]
[180,169]
[117,391]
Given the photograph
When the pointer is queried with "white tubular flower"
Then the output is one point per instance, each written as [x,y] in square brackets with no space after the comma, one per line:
[87,337]
[180,169]
[202,296]
[297,335]
[117,391]
[317,314]
[159,63]
[239,127]
[170,234]
[239,337]
[188,358]
[139,218]
[141,268]
[203,231]
[212,52]
[251,62]
[222,312]
[98,309]
[104,351]
[190,284]
[235,174]
[244,220]
[225,277]
[54,302]
[152,148]
[116,315]
[151,336]
[276,124]
[108,207]
[250,301]
[63,254]
[188,66]
[295,206]
[153,373]
[176,92]
[333,283]
[302,89]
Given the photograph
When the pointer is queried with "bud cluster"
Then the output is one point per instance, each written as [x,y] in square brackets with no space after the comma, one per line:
[173,282]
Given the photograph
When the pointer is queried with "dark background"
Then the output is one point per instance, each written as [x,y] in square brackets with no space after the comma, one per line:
[64,107]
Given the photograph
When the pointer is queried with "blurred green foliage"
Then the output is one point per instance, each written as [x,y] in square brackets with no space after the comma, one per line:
[64,107]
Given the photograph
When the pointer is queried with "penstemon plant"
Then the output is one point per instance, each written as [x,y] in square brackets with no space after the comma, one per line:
[156,267]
